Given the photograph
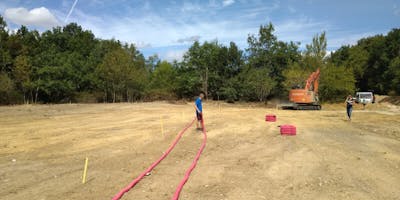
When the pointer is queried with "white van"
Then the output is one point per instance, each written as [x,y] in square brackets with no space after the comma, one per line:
[365,97]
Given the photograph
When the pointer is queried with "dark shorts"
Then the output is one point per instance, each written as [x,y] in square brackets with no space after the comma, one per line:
[199,116]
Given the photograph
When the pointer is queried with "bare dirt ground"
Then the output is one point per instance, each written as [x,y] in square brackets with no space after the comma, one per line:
[43,148]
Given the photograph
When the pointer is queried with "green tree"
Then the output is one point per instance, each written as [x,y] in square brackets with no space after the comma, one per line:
[22,75]
[261,47]
[336,83]
[6,88]
[111,71]
[231,90]
[3,31]
[392,75]
[152,62]
[296,75]
[314,55]
[5,57]
[163,84]
[52,84]
[317,48]
[230,87]
[266,52]
[358,60]
[119,74]
[188,82]
[394,71]
[256,84]
[209,60]
[312,58]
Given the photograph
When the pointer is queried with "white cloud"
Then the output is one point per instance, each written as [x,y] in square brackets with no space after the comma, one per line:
[191,7]
[301,29]
[156,31]
[304,29]
[142,45]
[175,27]
[347,38]
[263,9]
[174,55]
[189,39]
[228,2]
[37,17]
[329,53]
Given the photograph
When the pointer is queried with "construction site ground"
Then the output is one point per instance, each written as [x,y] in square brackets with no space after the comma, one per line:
[43,150]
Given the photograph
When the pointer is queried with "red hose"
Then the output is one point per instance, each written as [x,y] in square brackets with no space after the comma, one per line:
[193,165]
[140,177]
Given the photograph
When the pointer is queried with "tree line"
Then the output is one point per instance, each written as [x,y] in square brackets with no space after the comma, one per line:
[69,64]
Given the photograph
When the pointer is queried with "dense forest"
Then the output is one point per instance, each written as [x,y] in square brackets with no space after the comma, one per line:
[69,64]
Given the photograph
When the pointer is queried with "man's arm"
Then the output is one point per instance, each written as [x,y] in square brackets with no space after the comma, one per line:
[197,109]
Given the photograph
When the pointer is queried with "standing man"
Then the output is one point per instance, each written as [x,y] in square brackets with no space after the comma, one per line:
[349,106]
[199,111]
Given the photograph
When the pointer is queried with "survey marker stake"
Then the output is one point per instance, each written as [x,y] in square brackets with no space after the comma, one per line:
[85,170]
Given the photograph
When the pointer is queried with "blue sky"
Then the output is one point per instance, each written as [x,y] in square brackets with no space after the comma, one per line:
[168,28]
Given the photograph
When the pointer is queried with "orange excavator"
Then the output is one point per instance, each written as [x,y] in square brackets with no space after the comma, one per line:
[306,98]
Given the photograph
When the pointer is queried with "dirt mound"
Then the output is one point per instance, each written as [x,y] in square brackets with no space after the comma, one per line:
[395,100]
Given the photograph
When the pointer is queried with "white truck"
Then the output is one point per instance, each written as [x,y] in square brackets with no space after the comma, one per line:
[365,97]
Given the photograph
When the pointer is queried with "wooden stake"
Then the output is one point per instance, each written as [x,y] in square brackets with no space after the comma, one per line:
[85,170]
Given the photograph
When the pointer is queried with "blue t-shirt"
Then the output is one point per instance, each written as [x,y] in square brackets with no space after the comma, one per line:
[198,104]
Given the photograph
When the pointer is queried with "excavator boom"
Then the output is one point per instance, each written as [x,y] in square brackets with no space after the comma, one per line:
[313,82]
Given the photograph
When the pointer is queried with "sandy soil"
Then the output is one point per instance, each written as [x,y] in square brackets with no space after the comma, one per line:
[43,148]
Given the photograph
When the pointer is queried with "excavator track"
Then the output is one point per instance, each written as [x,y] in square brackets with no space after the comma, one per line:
[308,107]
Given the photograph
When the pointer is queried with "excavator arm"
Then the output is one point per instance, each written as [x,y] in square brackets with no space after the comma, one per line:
[312,82]
[316,84]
